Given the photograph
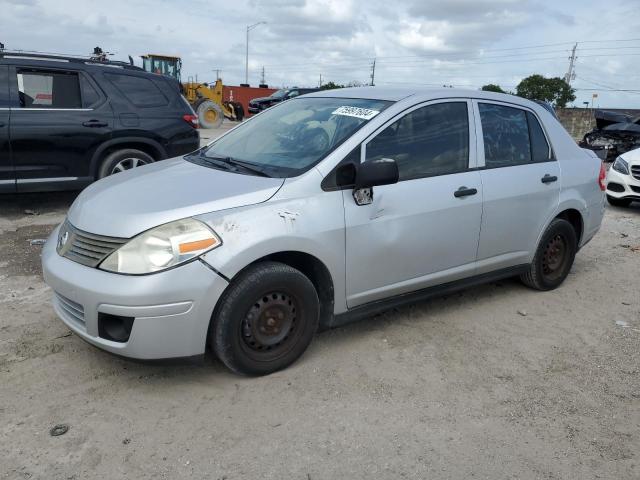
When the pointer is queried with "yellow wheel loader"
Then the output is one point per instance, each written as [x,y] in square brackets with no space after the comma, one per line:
[204,98]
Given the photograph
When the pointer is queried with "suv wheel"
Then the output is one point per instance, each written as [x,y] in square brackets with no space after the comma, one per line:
[122,160]
[618,202]
[266,319]
[554,257]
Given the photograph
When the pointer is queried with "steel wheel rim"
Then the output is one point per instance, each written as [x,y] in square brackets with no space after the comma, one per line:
[127,164]
[555,257]
[271,326]
[211,115]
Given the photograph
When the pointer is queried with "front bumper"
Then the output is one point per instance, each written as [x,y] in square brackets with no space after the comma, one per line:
[620,185]
[171,309]
[254,109]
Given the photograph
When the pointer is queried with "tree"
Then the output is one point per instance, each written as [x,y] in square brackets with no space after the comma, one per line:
[492,87]
[331,86]
[553,90]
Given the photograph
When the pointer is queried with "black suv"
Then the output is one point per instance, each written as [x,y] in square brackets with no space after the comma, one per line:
[258,104]
[65,121]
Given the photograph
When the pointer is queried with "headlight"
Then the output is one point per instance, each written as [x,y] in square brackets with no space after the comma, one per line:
[162,247]
[621,166]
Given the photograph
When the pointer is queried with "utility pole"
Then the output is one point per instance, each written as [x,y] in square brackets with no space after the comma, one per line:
[246,59]
[320,82]
[373,72]
[571,74]
[262,82]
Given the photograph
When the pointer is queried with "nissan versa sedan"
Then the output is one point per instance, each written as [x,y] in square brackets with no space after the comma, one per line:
[319,211]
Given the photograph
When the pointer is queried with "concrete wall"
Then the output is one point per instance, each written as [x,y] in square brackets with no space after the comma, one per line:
[579,121]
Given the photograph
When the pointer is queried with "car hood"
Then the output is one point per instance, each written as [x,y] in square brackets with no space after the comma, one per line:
[131,202]
[260,99]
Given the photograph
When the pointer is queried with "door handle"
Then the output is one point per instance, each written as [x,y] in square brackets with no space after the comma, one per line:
[464,192]
[95,124]
[548,178]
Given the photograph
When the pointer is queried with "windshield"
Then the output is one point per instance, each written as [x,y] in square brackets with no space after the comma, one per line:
[290,138]
[279,93]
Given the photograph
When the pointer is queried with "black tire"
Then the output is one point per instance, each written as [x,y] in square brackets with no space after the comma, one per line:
[265,320]
[210,114]
[554,257]
[124,159]
[618,202]
[239,111]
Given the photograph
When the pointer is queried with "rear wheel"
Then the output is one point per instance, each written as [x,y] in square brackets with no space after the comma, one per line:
[266,319]
[209,113]
[554,257]
[618,202]
[122,160]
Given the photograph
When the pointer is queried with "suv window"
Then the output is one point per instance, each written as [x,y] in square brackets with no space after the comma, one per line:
[432,140]
[89,94]
[4,86]
[140,91]
[511,136]
[42,89]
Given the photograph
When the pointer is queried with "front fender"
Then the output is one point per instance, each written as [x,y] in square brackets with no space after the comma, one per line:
[313,225]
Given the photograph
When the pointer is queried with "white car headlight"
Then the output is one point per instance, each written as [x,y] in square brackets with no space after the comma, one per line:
[162,247]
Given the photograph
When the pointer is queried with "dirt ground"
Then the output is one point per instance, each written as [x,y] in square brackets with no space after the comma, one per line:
[496,382]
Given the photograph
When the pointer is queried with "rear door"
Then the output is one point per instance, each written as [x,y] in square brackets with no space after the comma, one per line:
[520,181]
[61,119]
[7,176]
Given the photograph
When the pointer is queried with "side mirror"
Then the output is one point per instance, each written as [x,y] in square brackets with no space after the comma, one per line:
[376,172]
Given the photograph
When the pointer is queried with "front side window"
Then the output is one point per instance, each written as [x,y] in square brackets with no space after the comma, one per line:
[140,91]
[41,89]
[511,136]
[432,140]
[290,138]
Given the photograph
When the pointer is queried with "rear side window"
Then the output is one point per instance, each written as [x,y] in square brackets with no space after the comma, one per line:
[4,86]
[41,89]
[511,137]
[506,136]
[540,151]
[140,91]
[90,96]
[432,140]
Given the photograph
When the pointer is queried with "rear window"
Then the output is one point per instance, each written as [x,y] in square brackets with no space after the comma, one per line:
[41,89]
[140,91]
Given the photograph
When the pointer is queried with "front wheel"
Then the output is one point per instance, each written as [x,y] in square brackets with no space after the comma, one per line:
[266,319]
[618,202]
[553,258]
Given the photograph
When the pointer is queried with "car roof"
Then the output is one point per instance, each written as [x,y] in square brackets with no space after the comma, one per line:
[395,94]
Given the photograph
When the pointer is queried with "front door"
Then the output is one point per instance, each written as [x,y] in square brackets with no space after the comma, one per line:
[423,230]
[7,177]
[521,181]
[61,119]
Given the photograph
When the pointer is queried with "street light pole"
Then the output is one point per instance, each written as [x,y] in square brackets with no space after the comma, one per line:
[246,59]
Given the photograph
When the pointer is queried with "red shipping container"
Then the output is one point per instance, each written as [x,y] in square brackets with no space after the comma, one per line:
[244,95]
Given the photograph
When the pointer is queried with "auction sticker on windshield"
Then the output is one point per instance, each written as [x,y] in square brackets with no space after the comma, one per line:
[363,113]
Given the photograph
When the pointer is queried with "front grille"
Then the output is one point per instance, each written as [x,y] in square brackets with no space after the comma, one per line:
[635,171]
[73,311]
[86,248]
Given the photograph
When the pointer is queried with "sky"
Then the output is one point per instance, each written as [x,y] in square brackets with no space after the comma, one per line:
[464,43]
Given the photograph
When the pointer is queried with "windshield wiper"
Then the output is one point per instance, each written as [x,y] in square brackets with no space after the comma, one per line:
[248,166]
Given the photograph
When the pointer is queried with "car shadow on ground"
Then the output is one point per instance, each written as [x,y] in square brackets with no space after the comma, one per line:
[15,206]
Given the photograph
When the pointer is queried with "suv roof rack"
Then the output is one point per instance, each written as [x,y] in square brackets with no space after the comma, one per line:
[27,54]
